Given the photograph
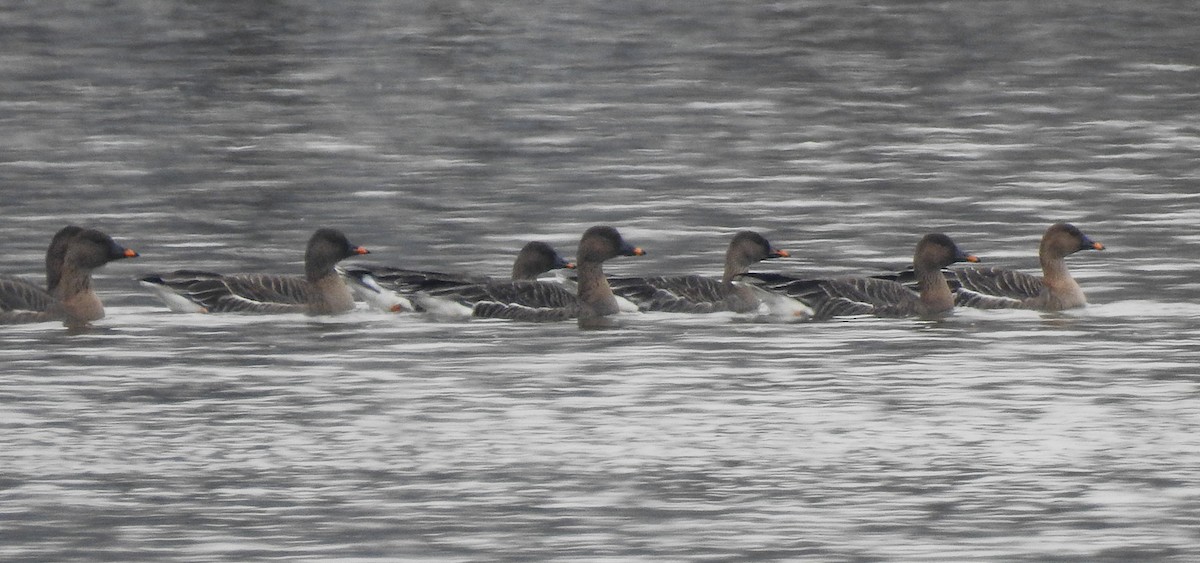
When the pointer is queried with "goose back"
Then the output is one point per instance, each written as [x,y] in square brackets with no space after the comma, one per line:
[520,300]
[850,296]
[682,294]
[700,294]
[394,289]
[320,291]
[71,257]
[844,297]
[22,301]
[998,288]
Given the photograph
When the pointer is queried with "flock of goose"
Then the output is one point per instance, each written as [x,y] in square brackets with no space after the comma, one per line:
[927,289]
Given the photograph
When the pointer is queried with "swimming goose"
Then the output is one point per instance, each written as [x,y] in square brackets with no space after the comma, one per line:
[880,297]
[391,289]
[72,255]
[700,294]
[596,299]
[532,300]
[1056,290]
[319,292]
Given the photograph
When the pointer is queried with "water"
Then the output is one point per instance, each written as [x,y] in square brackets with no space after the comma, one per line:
[445,134]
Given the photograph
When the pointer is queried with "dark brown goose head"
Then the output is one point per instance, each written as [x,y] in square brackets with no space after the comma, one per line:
[936,251]
[1059,290]
[1064,239]
[596,300]
[535,258]
[325,249]
[89,249]
[56,253]
[600,243]
[746,248]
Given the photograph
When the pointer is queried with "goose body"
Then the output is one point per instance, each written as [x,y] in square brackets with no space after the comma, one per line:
[518,300]
[319,292]
[701,294]
[1055,290]
[400,289]
[997,288]
[852,296]
[73,254]
[532,300]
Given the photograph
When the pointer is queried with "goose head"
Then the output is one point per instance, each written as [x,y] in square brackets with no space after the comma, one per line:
[535,258]
[326,248]
[89,249]
[748,247]
[600,243]
[1064,239]
[936,251]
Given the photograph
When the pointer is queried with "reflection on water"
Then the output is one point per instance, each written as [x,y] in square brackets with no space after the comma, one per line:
[445,135]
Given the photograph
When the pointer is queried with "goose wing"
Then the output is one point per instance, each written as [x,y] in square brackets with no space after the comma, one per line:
[236,293]
[530,293]
[996,282]
[520,312]
[980,288]
[673,294]
[22,301]
[267,292]
[521,300]
[859,296]
[406,281]
[17,294]
[837,297]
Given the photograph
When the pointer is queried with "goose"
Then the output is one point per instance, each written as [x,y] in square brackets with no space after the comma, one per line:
[537,301]
[880,297]
[73,254]
[391,289]
[1055,290]
[596,299]
[319,292]
[700,294]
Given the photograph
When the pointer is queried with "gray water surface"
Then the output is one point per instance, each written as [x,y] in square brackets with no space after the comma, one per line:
[446,134]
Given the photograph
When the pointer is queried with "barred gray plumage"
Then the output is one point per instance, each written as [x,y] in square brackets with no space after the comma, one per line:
[699,294]
[519,298]
[997,288]
[851,296]
[319,291]
[22,301]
